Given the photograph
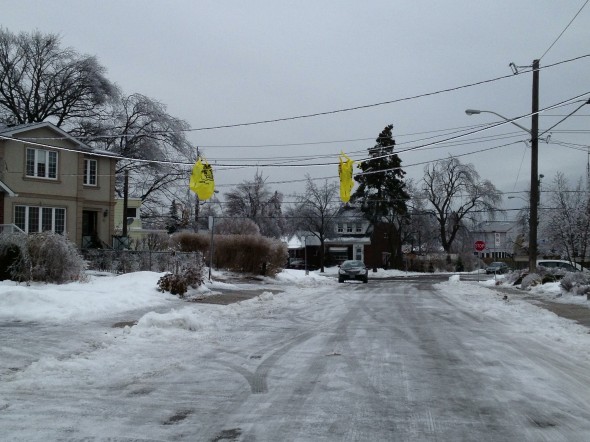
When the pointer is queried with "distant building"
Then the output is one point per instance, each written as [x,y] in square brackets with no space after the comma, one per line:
[499,238]
[135,229]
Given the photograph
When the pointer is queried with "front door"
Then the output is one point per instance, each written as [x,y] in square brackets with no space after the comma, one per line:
[90,229]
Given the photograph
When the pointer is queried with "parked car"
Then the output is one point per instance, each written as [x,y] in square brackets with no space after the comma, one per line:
[560,264]
[497,267]
[353,269]
[296,264]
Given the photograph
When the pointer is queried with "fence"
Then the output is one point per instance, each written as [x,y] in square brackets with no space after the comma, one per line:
[10,228]
[127,261]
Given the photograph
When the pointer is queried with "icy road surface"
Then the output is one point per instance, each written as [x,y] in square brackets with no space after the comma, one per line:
[384,361]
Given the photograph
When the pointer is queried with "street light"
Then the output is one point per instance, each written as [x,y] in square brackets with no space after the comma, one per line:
[534,193]
[477,111]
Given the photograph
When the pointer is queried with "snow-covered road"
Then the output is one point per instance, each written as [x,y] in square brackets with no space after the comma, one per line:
[387,360]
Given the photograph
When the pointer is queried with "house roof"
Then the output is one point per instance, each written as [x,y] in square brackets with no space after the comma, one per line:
[14,131]
[496,226]
[348,240]
[6,189]
[300,239]
[348,211]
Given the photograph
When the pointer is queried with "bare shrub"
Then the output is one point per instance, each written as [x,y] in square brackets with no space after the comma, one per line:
[531,280]
[173,283]
[190,274]
[190,242]
[514,277]
[126,262]
[13,255]
[250,254]
[153,242]
[100,259]
[253,254]
[47,257]
[576,282]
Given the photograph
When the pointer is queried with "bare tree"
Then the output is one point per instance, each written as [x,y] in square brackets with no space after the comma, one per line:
[566,224]
[255,201]
[316,210]
[153,144]
[456,193]
[40,81]
[422,230]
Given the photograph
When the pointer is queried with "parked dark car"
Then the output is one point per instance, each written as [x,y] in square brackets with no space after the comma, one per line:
[353,269]
[296,264]
[497,267]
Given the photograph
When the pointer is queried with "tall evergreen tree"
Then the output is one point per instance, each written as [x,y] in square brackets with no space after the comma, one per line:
[173,222]
[382,191]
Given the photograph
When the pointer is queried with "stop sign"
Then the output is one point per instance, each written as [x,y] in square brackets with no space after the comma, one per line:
[479,245]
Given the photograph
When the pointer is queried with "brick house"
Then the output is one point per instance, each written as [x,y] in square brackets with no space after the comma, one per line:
[50,181]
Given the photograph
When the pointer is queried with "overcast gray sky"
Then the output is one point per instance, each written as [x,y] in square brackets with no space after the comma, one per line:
[228,62]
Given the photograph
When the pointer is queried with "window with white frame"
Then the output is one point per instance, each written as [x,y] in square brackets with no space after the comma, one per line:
[340,228]
[349,228]
[358,228]
[41,163]
[90,170]
[34,219]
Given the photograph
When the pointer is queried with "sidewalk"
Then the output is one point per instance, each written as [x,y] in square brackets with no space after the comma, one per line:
[575,312]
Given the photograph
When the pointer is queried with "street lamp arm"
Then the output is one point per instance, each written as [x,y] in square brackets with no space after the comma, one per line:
[476,111]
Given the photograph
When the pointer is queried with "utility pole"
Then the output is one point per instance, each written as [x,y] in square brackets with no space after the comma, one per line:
[197,204]
[125,202]
[534,193]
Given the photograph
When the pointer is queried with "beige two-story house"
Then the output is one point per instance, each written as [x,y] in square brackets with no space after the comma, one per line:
[50,181]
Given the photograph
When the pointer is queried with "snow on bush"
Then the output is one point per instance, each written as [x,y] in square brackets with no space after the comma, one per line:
[531,280]
[577,283]
[189,275]
[44,257]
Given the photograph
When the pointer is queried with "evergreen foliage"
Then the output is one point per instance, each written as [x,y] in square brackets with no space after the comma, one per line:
[173,221]
[382,191]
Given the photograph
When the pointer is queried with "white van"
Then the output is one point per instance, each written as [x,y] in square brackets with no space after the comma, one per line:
[560,264]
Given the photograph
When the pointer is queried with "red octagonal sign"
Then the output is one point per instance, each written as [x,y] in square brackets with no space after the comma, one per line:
[479,245]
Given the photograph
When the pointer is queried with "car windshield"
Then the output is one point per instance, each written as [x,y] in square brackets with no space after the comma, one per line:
[349,264]
[496,264]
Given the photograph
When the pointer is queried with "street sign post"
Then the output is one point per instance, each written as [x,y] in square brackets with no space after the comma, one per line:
[479,246]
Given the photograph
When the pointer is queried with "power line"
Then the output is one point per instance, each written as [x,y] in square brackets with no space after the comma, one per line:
[349,109]
[439,142]
[566,117]
[382,103]
[565,29]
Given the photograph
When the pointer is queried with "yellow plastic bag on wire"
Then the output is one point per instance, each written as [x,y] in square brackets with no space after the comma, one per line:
[202,182]
[345,173]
